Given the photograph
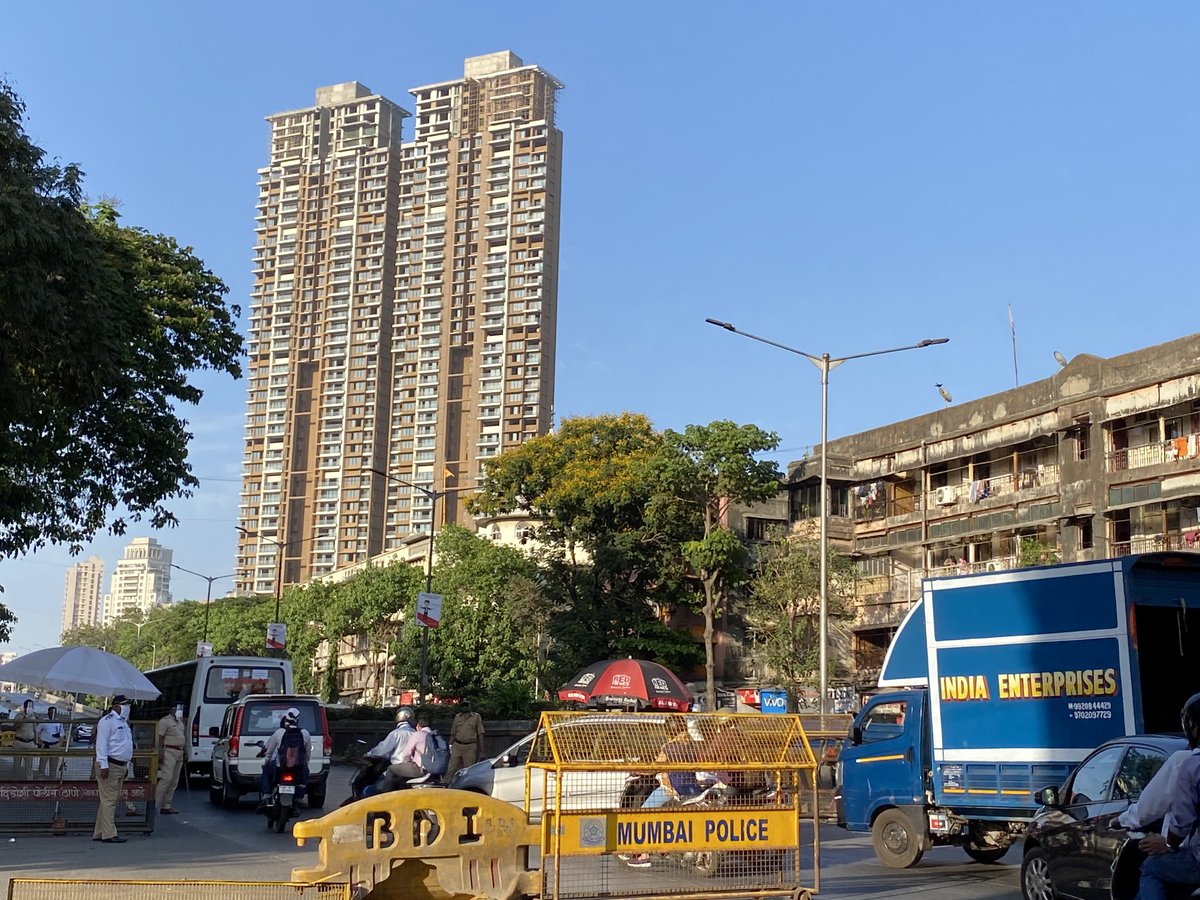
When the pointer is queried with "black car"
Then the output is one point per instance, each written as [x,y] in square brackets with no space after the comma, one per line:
[1070,845]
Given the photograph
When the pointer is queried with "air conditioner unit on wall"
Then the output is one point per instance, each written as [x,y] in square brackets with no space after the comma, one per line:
[946,496]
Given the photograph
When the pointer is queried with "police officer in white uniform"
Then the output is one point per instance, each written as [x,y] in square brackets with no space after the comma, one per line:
[114,750]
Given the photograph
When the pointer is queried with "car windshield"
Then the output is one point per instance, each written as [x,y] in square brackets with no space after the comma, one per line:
[264,718]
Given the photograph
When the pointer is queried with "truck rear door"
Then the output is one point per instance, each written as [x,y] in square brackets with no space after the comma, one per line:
[881,762]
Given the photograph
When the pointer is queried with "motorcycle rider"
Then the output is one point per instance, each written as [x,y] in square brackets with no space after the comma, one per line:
[290,720]
[395,740]
[383,754]
[408,758]
[1170,860]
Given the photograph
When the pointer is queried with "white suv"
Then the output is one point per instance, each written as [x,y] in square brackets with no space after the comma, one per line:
[247,726]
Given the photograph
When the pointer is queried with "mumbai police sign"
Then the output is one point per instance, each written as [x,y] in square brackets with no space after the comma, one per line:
[666,831]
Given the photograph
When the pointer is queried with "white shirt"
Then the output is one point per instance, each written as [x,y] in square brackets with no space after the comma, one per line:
[49,733]
[393,745]
[113,738]
[1155,800]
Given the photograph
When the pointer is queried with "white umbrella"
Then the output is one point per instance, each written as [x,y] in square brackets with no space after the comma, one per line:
[79,670]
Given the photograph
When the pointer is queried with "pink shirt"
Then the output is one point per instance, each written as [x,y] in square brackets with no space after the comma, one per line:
[414,749]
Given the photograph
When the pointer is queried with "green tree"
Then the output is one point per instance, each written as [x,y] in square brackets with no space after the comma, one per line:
[783,607]
[369,605]
[607,583]
[1033,552]
[484,641]
[103,325]
[696,475]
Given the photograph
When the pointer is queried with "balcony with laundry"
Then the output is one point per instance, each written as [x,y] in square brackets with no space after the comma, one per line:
[1169,438]
[888,585]
[1023,472]
[1168,525]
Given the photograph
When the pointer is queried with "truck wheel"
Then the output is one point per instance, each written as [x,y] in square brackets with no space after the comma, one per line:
[985,854]
[896,842]
[1035,877]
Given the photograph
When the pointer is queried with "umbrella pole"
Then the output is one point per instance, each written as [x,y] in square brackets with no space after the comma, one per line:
[57,824]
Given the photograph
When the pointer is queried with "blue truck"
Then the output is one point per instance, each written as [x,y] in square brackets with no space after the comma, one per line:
[998,684]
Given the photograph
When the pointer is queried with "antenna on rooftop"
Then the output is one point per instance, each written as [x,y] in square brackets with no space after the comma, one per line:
[1059,358]
[1013,330]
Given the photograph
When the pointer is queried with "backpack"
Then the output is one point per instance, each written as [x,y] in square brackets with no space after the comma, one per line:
[292,749]
[436,758]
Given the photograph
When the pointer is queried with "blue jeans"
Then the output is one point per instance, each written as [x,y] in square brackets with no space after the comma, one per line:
[1179,867]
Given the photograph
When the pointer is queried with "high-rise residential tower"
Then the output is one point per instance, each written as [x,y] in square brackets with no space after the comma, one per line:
[141,581]
[404,311]
[83,600]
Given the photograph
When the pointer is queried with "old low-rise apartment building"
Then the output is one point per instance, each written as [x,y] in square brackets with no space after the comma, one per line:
[1100,460]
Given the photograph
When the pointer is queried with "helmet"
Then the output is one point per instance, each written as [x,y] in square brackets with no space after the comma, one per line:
[1190,712]
[292,715]
[404,714]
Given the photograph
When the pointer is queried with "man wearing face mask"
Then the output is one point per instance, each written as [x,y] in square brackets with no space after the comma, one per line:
[114,749]
[169,735]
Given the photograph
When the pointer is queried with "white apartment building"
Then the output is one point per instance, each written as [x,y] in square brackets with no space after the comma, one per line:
[403,313]
[83,599]
[141,581]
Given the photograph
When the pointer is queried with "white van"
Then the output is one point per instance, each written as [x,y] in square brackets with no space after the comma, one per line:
[208,685]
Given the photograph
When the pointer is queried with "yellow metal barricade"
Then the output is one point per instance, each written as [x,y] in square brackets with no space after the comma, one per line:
[672,804]
[72,889]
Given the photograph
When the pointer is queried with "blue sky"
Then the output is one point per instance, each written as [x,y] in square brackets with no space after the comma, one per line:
[838,177]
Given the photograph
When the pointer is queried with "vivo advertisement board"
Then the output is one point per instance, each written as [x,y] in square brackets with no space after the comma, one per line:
[774,702]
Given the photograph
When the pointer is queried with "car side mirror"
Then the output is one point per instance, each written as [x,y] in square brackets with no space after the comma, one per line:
[1047,796]
[856,735]
[505,761]
[214,731]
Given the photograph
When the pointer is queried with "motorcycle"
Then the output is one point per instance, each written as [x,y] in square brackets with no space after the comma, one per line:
[287,791]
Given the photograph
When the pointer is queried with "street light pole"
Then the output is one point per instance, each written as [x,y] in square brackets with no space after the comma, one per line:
[432,495]
[208,594]
[825,363]
[279,548]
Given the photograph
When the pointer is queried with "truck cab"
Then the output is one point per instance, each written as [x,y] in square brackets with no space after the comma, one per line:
[882,776]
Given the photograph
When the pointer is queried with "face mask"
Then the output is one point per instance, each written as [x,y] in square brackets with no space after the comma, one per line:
[179,712]
[125,712]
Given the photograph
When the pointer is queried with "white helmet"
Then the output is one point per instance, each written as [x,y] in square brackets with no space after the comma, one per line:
[292,715]
[404,714]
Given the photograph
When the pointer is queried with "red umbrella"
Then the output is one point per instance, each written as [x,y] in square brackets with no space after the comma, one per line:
[619,681]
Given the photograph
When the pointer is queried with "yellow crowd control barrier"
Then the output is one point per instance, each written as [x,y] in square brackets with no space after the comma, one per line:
[72,889]
[672,804]
[429,843]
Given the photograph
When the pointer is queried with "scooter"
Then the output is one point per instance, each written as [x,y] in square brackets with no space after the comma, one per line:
[365,782]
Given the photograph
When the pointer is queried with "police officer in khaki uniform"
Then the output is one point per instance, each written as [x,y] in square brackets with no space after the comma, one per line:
[169,736]
[25,738]
[466,739]
[114,750]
